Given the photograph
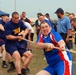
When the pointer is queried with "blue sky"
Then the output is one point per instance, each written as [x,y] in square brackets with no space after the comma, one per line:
[32,7]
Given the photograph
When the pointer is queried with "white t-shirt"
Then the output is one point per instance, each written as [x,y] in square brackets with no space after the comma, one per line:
[29,26]
[39,22]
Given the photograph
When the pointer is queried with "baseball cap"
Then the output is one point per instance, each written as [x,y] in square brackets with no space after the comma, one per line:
[59,10]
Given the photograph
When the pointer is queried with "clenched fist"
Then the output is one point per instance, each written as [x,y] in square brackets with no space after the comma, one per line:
[50,46]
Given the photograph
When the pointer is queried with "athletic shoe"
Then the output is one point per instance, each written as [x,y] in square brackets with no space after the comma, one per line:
[29,50]
[4,65]
[27,70]
[20,74]
[11,68]
[23,71]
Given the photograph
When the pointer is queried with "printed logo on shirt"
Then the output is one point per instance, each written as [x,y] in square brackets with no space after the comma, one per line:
[16,31]
[48,49]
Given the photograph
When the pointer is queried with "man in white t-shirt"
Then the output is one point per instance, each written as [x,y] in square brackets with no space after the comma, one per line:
[30,35]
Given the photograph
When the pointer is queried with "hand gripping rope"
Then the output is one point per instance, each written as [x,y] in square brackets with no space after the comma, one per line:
[72,51]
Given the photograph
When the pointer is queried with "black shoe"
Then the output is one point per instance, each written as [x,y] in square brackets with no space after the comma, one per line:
[11,68]
[4,65]
[27,70]
[20,74]
[23,71]
[29,50]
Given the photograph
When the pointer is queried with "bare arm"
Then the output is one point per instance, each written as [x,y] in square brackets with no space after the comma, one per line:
[11,37]
[68,34]
[1,27]
[25,33]
[29,34]
[40,45]
[61,43]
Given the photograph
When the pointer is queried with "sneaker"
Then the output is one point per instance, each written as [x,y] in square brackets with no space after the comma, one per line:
[29,50]
[27,70]
[4,65]
[11,68]
[23,71]
[20,74]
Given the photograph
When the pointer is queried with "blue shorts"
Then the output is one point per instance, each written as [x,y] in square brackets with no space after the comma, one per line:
[23,43]
[20,47]
[60,69]
[2,41]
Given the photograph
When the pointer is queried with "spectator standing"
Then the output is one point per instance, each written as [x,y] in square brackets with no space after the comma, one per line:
[23,16]
[73,23]
[64,26]
[37,24]
[71,16]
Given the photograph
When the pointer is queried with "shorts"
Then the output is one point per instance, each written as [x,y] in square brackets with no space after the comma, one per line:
[2,41]
[16,47]
[59,69]
[23,43]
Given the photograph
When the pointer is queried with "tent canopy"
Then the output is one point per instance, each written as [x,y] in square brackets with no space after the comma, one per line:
[3,13]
